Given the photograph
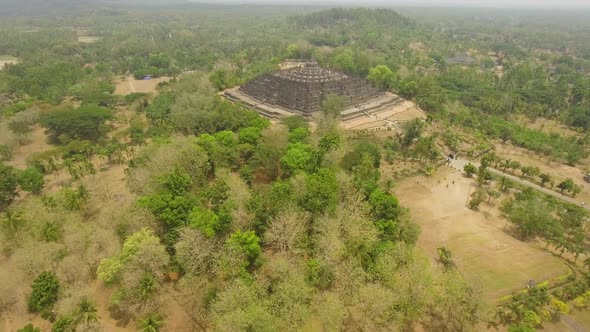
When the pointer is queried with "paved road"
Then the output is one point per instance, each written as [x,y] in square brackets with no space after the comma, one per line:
[460,163]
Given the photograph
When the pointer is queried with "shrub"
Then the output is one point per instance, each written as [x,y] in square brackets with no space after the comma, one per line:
[45,292]
[31,180]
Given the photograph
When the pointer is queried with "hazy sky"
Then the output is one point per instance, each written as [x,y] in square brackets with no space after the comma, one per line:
[487,3]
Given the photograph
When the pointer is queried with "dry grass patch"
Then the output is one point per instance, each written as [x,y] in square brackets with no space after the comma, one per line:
[484,253]
[129,85]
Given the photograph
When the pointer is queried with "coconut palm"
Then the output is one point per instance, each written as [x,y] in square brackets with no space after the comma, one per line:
[152,323]
[86,312]
[12,220]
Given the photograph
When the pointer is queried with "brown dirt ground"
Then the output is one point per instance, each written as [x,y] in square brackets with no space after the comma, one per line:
[130,85]
[485,254]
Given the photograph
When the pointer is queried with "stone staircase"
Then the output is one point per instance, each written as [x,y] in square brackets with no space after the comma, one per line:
[371,107]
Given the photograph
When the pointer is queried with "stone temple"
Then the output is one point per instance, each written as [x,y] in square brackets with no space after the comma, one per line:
[303,88]
[300,90]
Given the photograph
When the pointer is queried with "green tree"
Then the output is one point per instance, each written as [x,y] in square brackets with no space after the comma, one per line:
[31,180]
[29,328]
[470,169]
[445,257]
[250,135]
[45,293]
[152,323]
[477,197]
[521,327]
[246,242]
[84,123]
[75,199]
[160,110]
[321,192]
[382,77]
[545,178]
[566,185]
[8,185]
[63,324]
[86,312]
[329,142]
[299,157]
[206,221]
[299,135]
[483,175]
[177,182]
[504,184]
[514,165]
[110,269]
[295,122]
[345,61]
[172,211]
[531,217]
[412,131]
[384,206]
[333,105]
[12,220]
[354,157]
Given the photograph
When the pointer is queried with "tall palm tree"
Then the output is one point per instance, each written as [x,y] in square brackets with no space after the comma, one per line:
[12,220]
[86,312]
[152,323]
[147,287]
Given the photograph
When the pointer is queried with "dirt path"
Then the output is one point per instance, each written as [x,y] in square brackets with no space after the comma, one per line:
[572,324]
[460,163]
[131,86]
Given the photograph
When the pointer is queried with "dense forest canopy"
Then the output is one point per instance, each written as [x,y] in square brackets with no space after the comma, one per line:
[185,208]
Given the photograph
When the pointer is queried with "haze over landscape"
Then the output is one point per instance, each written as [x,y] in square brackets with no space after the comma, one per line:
[554,4]
[294,165]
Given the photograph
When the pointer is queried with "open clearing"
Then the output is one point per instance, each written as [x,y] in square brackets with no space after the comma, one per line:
[88,39]
[484,253]
[38,143]
[7,60]
[130,85]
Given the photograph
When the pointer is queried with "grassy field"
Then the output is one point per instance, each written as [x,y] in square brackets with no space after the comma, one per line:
[484,252]
[129,85]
